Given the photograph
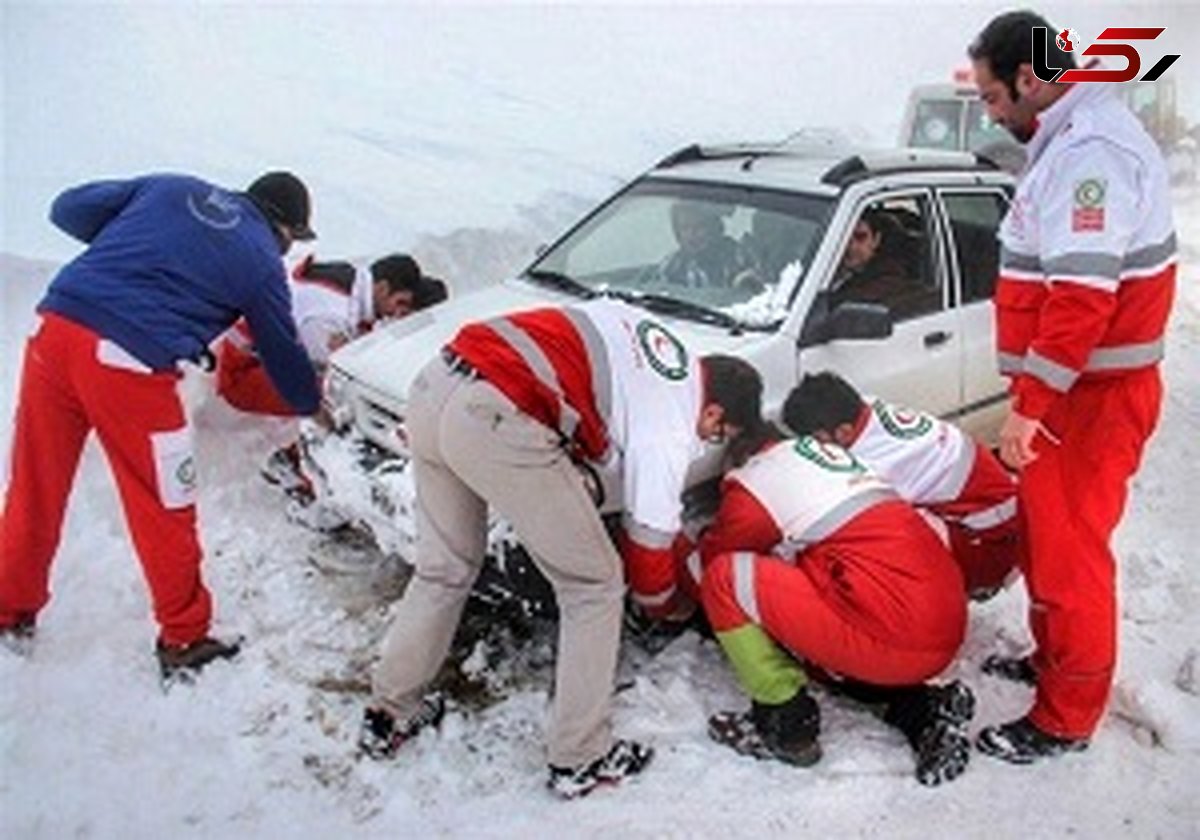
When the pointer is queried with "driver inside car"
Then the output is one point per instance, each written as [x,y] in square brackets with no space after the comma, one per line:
[706,257]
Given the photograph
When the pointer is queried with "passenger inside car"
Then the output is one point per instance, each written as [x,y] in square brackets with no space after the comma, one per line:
[886,262]
[870,271]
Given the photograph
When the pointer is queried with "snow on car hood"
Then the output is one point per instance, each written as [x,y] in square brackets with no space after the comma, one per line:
[386,361]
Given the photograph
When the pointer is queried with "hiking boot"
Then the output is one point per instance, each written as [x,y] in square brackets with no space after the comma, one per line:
[17,636]
[943,751]
[1021,742]
[381,736]
[624,759]
[953,703]
[1017,669]
[183,662]
[934,719]
[785,732]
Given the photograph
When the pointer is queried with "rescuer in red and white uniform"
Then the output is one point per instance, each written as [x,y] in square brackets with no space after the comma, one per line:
[1087,277]
[500,419]
[333,302]
[813,553]
[929,462]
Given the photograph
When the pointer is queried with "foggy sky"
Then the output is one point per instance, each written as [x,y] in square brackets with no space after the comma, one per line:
[416,119]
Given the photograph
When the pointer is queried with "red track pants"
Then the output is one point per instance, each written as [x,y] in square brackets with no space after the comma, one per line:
[73,382]
[1072,497]
[865,603]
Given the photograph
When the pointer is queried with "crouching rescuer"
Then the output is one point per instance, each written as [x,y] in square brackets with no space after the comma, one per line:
[500,418]
[812,558]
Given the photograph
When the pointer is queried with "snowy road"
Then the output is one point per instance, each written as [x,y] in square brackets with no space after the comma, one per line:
[90,746]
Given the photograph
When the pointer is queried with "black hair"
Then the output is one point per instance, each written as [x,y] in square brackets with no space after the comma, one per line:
[432,291]
[736,386]
[399,271]
[1007,42]
[880,221]
[820,403]
[751,441]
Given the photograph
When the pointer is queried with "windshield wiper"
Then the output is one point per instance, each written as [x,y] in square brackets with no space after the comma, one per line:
[563,282]
[667,305]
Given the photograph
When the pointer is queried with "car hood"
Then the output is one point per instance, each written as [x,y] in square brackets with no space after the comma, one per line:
[384,362]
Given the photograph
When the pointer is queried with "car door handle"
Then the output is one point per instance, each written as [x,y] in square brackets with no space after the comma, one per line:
[933,339]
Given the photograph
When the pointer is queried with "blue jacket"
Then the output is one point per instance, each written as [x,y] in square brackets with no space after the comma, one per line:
[171,263]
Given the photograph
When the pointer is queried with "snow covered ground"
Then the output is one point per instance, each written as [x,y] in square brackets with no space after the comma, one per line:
[90,746]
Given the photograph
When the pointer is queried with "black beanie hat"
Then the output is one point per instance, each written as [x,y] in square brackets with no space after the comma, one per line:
[283,198]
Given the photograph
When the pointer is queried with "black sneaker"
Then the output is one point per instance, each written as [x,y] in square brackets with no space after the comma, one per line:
[786,732]
[624,759]
[1020,742]
[943,751]
[381,736]
[181,663]
[18,636]
[1017,669]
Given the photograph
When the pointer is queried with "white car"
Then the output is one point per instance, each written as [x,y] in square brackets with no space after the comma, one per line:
[773,223]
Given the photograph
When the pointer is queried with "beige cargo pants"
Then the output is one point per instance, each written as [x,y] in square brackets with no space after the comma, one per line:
[471,448]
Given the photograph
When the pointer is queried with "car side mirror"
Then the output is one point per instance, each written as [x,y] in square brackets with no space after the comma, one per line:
[847,321]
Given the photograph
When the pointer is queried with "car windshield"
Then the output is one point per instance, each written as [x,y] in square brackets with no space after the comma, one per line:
[936,125]
[727,255]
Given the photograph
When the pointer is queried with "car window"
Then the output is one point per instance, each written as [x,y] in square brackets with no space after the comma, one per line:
[974,222]
[735,249]
[936,125]
[889,258]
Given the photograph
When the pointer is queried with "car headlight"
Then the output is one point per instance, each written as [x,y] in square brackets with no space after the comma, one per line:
[336,397]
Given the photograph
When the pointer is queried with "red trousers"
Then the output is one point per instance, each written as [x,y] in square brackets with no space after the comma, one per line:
[986,557]
[243,383]
[73,382]
[1072,497]
[881,600]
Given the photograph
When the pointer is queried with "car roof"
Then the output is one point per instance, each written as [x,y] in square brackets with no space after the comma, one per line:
[944,90]
[823,168]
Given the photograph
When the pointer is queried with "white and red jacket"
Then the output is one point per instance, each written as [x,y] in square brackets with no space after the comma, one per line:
[1088,253]
[935,465]
[788,496]
[331,303]
[624,392]
[798,499]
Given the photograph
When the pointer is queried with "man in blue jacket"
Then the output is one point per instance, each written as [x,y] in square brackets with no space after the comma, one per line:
[171,262]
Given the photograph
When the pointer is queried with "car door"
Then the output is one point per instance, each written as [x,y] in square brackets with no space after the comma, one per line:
[972,219]
[919,365]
